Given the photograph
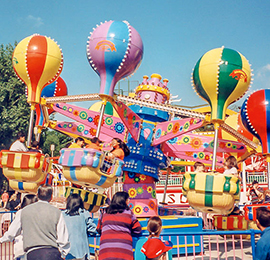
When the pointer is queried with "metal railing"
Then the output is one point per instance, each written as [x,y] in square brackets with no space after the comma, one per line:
[208,245]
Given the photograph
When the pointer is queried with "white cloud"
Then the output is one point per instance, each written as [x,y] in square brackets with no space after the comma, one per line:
[36,21]
[264,71]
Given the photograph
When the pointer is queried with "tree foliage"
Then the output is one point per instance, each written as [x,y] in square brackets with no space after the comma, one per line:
[14,110]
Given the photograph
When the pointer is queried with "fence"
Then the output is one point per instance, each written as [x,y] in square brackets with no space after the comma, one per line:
[218,245]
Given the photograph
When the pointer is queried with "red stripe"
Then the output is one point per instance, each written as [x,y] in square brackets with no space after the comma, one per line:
[36,59]
[10,160]
[25,161]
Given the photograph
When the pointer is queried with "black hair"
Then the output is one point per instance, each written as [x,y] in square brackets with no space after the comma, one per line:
[35,144]
[118,203]
[45,192]
[254,182]
[79,139]
[263,216]
[20,134]
[122,145]
[74,203]
[95,139]
[28,199]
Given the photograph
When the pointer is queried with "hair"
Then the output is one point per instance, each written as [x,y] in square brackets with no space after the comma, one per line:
[95,139]
[154,226]
[45,192]
[20,134]
[263,216]
[79,139]
[155,258]
[254,182]
[122,145]
[28,199]
[74,203]
[231,162]
[198,164]
[35,144]
[118,203]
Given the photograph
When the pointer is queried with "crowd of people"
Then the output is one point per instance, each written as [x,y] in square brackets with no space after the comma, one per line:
[41,231]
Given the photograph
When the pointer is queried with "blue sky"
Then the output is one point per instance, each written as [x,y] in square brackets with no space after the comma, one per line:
[175,35]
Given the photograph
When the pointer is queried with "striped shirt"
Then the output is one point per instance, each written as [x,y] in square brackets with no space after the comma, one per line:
[116,235]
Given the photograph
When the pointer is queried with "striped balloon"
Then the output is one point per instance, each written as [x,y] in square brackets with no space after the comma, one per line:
[114,50]
[37,61]
[255,115]
[221,76]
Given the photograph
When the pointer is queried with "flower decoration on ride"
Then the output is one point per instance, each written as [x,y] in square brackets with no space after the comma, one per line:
[138,209]
[119,127]
[149,189]
[132,193]
[152,204]
[196,143]
[140,190]
[96,120]
[146,209]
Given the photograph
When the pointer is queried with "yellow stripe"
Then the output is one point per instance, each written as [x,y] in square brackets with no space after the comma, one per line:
[32,160]
[175,226]
[17,174]
[4,158]
[19,61]
[224,223]
[200,182]
[17,160]
[209,72]
[218,183]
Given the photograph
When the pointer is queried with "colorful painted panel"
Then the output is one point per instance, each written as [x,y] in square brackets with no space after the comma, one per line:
[144,207]
[230,222]
[131,178]
[130,119]
[198,143]
[140,191]
[171,129]
[89,121]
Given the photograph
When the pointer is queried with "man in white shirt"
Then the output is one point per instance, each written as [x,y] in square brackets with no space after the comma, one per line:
[19,145]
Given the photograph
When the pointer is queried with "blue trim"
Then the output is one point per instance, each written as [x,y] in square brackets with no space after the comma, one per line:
[20,185]
[101,180]
[72,172]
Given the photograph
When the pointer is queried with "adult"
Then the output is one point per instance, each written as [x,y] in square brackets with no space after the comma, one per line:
[116,227]
[255,192]
[79,143]
[45,235]
[80,225]
[95,144]
[19,144]
[11,234]
[262,251]
[119,149]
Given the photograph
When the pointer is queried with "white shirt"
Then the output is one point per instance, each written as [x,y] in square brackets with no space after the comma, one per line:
[15,230]
[18,146]
[232,171]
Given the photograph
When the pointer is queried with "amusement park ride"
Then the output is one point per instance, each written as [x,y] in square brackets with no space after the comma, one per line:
[154,130]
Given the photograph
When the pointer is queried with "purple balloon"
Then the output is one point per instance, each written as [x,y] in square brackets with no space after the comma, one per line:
[114,50]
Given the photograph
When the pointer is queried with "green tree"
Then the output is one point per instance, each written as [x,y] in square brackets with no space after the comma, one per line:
[14,110]
[50,137]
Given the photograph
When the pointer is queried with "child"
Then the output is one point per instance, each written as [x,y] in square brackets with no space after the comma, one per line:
[199,167]
[231,167]
[154,248]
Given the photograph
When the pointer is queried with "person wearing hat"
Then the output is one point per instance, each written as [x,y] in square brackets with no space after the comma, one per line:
[154,248]
[95,144]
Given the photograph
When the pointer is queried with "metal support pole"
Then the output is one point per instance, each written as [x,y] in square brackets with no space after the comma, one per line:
[244,182]
[166,185]
[102,110]
[216,125]
[30,128]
